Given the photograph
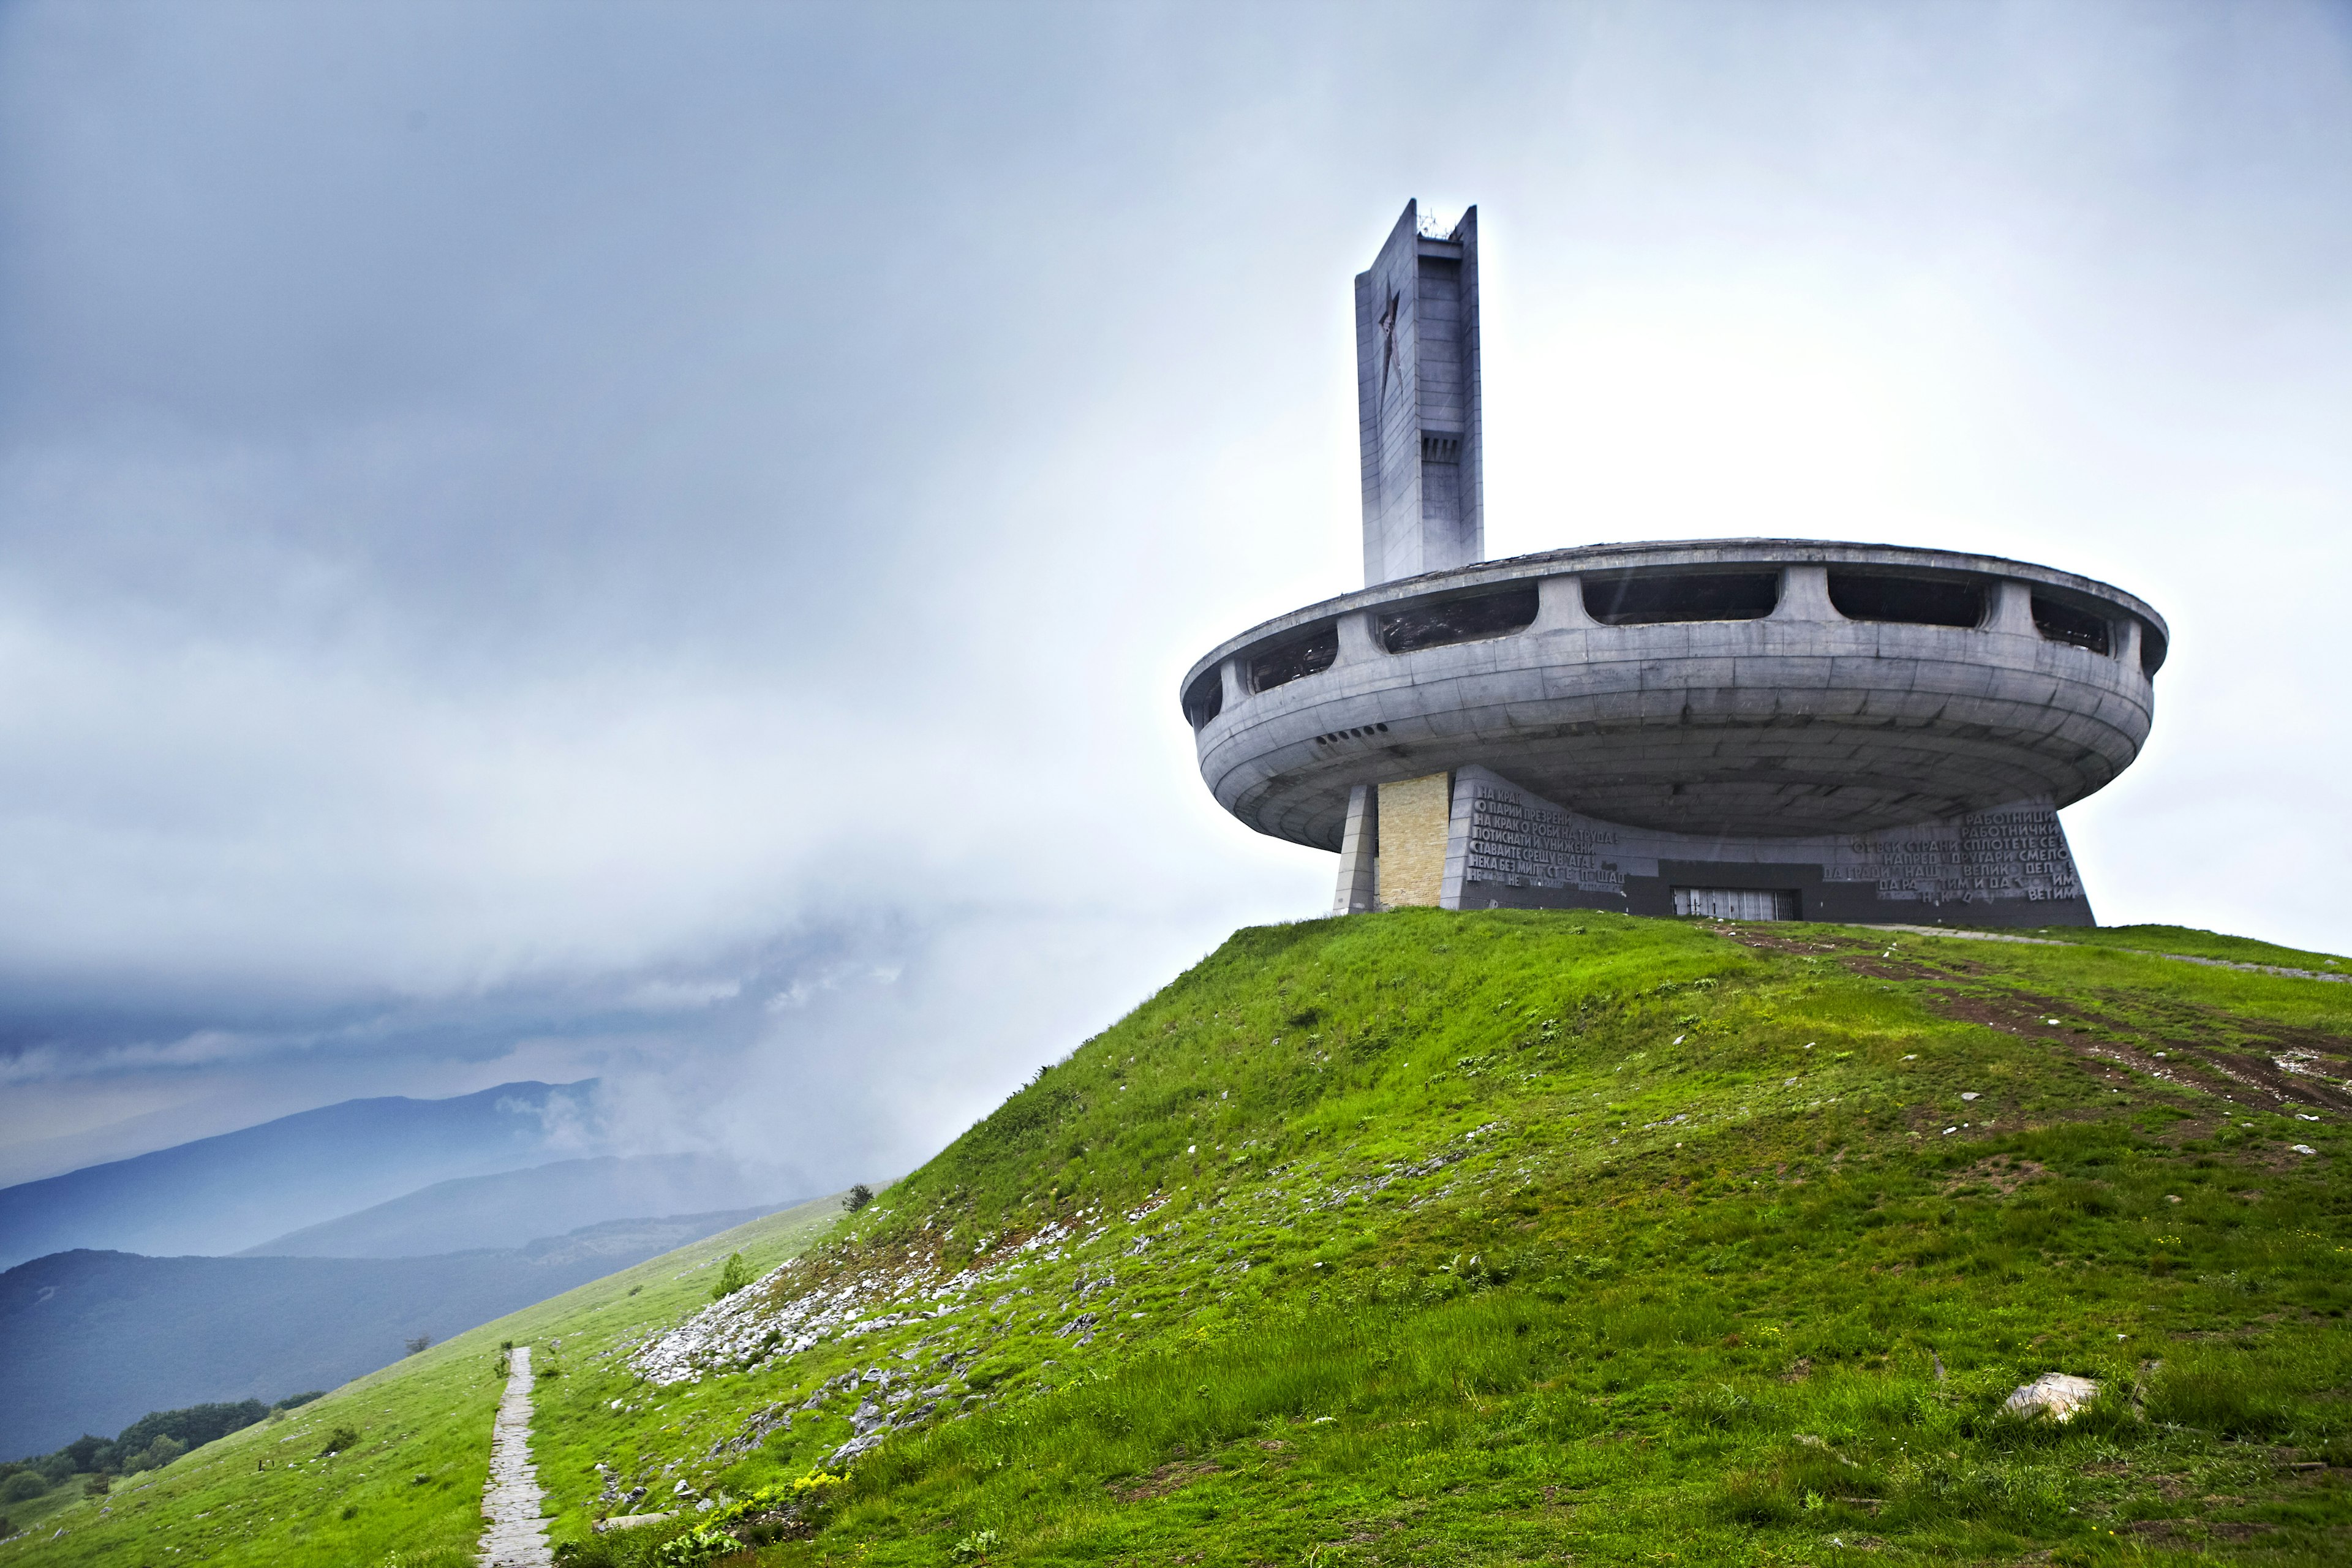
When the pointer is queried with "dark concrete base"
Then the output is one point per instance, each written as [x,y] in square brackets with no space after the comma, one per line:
[2004,869]
[1831,902]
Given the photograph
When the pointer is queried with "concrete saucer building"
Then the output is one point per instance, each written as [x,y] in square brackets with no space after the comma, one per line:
[1748,728]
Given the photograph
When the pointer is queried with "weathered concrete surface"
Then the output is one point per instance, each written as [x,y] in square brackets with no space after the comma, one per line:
[517,1536]
[1359,891]
[1417,403]
[1511,849]
[1799,723]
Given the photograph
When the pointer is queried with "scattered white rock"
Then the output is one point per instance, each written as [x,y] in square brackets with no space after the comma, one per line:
[2056,1395]
[1971,1095]
[2304,1149]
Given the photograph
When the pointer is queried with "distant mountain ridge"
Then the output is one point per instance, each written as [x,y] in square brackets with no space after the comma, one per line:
[90,1340]
[512,1208]
[221,1193]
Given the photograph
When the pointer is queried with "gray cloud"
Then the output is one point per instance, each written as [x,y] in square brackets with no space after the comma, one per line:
[654,541]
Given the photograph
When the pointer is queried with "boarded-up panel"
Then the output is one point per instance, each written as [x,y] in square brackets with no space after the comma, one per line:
[1415,815]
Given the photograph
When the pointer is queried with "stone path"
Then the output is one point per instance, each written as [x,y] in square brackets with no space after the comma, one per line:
[517,1536]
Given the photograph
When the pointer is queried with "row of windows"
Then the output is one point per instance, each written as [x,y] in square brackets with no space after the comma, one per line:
[1657,599]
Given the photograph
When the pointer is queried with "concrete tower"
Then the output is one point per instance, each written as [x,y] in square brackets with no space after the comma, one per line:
[1417,402]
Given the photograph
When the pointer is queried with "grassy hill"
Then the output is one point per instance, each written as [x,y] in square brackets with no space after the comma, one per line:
[90,1341]
[1509,1236]
[406,1485]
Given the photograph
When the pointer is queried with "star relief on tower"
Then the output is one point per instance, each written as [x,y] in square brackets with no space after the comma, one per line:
[1388,341]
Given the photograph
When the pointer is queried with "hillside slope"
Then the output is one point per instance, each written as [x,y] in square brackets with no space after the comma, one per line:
[216,1195]
[514,1208]
[411,1443]
[89,1340]
[1518,1237]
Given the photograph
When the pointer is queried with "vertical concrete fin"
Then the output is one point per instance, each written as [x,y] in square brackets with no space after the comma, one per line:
[1457,840]
[2073,873]
[1358,846]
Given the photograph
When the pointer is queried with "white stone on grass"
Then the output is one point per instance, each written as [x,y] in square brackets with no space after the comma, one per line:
[2056,1395]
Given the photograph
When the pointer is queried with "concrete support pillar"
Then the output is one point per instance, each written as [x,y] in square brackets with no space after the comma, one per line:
[2013,609]
[2126,631]
[1358,639]
[1559,605]
[1237,683]
[1358,847]
[1417,815]
[1805,595]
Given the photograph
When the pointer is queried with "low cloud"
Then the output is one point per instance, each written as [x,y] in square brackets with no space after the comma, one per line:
[658,545]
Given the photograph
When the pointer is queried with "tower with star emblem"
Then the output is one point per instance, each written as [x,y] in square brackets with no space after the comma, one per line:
[1417,401]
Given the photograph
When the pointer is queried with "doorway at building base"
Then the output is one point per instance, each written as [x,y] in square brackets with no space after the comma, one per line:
[1470,839]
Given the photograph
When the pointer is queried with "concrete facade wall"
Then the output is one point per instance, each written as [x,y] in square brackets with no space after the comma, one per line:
[1359,889]
[1508,848]
[1417,402]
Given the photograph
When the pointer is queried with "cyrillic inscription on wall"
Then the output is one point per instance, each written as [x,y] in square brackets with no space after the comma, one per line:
[1524,844]
[2014,854]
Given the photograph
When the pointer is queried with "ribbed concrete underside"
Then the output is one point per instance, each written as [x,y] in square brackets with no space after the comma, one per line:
[1798,724]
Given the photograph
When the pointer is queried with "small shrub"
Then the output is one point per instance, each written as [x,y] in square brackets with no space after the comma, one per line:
[857,1197]
[732,1276]
[445,1555]
[417,1343]
[976,1546]
[696,1547]
[814,1484]
[23,1486]
[296,1401]
[98,1485]
[339,1440]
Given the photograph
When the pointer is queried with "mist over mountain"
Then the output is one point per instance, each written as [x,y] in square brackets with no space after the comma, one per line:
[90,1341]
[511,1208]
[222,1193]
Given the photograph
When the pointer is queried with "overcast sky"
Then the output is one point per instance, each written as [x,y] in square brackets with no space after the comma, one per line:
[659,541]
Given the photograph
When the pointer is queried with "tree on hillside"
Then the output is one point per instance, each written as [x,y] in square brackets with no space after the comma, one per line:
[857,1197]
[732,1278]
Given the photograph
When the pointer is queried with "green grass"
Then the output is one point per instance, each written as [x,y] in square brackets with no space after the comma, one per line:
[410,1488]
[1509,1236]
[2200,944]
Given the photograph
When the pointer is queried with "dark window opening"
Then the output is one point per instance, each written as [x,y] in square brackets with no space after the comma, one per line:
[1911,601]
[1698,597]
[1459,620]
[2064,623]
[1738,903]
[1204,699]
[2151,649]
[1309,655]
